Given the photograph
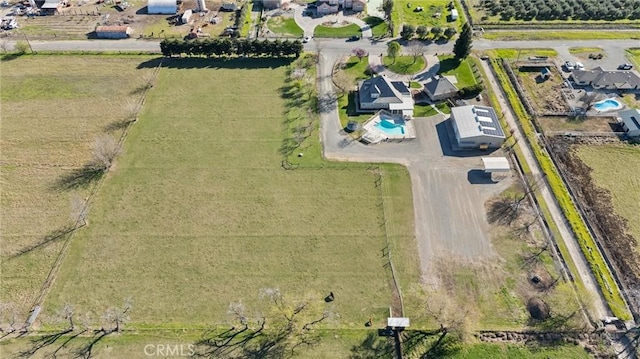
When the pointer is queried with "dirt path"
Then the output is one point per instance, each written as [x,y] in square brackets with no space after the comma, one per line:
[600,307]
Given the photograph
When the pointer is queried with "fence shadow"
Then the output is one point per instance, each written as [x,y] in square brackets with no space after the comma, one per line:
[216,63]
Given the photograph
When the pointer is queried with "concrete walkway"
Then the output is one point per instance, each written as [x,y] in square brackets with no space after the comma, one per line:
[308,23]
[432,61]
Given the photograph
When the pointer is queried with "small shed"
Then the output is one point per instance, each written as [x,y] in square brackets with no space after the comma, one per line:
[186,16]
[113,32]
[545,74]
[397,323]
[498,165]
[229,6]
[630,120]
[50,7]
[454,15]
[162,7]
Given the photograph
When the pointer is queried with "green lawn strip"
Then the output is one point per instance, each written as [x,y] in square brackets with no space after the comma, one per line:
[633,55]
[239,207]
[596,261]
[582,50]
[337,32]
[522,53]
[285,26]
[449,66]
[343,343]
[561,35]
[404,65]
[355,68]
[378,26]
[424,110]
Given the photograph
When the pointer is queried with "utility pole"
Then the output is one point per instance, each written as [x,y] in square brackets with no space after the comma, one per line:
[28,43]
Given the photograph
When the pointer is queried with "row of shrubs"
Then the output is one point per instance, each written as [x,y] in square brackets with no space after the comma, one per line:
[587,244]
[225,47]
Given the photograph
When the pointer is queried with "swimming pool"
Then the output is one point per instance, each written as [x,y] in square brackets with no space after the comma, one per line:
[607,105]
[390,127]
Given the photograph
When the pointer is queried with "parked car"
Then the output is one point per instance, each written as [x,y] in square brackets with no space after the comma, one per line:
[354,38]
[569,66]
[306,39]
[625,67]
[579,66]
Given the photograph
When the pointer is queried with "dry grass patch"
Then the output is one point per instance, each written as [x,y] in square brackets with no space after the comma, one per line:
[51,114]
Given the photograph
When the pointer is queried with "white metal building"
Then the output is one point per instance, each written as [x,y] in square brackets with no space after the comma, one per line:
[630,122]
[162,7]
[477,127]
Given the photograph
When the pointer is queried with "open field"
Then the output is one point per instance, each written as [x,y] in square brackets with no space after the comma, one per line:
[614,169]
[406,12]
[51,114]
[634,56]
[239,224]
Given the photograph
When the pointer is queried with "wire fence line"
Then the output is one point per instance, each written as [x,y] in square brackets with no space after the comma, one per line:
[52,275]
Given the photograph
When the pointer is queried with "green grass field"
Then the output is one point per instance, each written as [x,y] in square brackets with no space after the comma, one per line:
[404,65]
[614,169]
[200,207]
[51,114]
[634,56]
[449,66]
[378,26]
[284,26]
[405,10]
[337,32]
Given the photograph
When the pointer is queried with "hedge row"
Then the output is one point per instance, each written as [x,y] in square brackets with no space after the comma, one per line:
[587,244]
[224,47]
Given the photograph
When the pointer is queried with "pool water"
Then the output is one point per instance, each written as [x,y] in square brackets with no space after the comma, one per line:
[606,105]
[390,128]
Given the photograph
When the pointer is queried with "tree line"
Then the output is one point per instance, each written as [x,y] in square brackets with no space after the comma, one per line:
[225,47]
[563,9]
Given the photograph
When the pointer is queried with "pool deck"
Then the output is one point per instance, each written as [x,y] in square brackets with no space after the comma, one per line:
[374,135]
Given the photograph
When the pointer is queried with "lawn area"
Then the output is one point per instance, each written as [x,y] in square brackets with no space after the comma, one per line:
[284,26]
[240,223]
[634,56]
[615,168]
[337,32]
[523,53]
[561,35]
[449,66]
[378,26]
[405,10]
[404,65]
[51,114]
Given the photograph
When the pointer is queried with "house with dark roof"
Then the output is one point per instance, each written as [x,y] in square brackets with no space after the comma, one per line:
[380,93]
[440,88]
[630,121]
[477,127]
[601,79]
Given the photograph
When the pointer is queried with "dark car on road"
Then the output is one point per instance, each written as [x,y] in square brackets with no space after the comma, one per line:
[354,38]
[625,67]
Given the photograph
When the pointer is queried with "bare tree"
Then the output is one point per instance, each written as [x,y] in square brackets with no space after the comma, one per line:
[116,317]
[589,98]
[104,150]
[417,49]
[79,210]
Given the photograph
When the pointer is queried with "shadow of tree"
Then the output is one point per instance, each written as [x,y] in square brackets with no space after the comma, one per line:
[117,125]
[373,346]
[52,237]
[79,177]
[42,342]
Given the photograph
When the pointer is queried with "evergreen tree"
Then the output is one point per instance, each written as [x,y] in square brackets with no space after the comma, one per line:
[462,47]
